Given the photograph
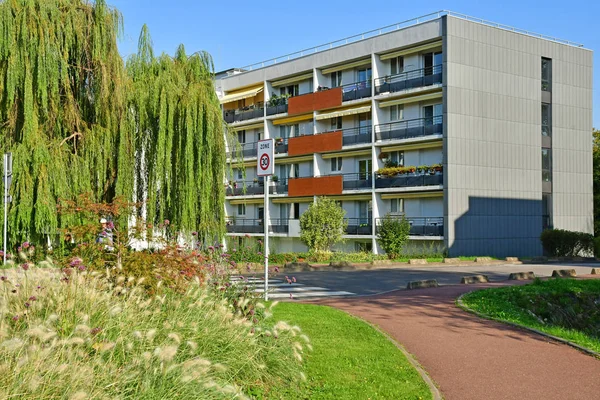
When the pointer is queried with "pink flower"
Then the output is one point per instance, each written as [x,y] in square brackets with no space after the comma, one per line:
[19,248]
[291,297]
[167,222]
[194,233]
[25,266]
[294,279]
[26,245]
[276,269]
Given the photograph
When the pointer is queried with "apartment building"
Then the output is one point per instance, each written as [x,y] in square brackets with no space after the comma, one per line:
[478,133]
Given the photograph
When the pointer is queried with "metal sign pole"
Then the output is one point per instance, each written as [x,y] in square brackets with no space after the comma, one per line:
[5,203]
[266,224]
[265,168]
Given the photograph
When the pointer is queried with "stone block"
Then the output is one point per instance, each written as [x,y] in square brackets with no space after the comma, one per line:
[595,271]
[422,284]
[451,260]
[564,273]
[381,262]
[340,264]
[417,261]
[512,259]
[468,280]
[521,276]
[483,259]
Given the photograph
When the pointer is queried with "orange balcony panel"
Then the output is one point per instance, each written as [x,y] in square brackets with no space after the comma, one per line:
[315,143]
[315,101]
[317,186]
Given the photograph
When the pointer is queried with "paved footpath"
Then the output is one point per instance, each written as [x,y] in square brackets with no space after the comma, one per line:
[471,358]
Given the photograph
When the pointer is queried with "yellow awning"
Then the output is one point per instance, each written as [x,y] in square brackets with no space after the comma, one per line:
[287,200]
[411,99]
[411,50]
[293,79]
[291,160]
[354,153]
[341,113]
[289,120]
[352,197]
[415,146]
[236,128]
[414,195]
[246,164]
[241,94]
[342,67]
[247,201]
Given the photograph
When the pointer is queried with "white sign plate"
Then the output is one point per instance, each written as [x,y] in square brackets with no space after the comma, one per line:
[266,157]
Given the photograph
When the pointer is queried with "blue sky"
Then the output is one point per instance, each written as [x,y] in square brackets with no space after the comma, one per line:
[240,33]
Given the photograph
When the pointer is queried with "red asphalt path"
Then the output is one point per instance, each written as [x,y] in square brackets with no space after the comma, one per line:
[473,358]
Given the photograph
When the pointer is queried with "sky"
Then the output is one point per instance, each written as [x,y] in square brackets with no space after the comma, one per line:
[239,33]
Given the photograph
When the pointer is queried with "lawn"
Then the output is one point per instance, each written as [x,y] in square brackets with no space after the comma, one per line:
[350,359]
[565,308]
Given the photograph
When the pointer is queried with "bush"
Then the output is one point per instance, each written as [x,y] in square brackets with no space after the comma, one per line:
[322,225]
[563,243]
[597,247]
[393,234]
[79,335]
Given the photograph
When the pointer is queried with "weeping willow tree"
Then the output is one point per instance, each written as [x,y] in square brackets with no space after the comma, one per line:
[180,151]
[78,122]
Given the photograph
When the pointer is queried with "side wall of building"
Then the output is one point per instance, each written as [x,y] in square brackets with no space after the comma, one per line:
[493,140]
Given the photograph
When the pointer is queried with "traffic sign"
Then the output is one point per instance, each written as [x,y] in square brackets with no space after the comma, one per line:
[265,153]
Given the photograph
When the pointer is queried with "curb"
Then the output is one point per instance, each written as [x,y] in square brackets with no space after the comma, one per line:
[435,392]
[460,304]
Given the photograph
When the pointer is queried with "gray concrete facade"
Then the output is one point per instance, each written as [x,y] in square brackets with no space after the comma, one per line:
[492,140]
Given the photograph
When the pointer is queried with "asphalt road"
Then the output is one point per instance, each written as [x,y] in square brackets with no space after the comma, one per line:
[369,282]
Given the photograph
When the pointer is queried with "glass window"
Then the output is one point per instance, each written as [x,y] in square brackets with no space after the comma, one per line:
[284,211]
[364,247]
[432,62]
[241,135]
[433,114]
[546,74]
[336,164]
[364,169]
[547,165]
[365,212]
[241,209]
[397,206]
[547,210]
[336,79]
[296,210]
[364,123]
[397,157]
[240,174]
[546,119]
[336,123]
[364,75]
[397,112]
[397,65]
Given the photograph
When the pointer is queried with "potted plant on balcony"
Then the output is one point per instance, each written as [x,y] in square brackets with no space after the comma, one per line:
[423,169]
[255,180]
[437,167]
[278,141]
[275,178]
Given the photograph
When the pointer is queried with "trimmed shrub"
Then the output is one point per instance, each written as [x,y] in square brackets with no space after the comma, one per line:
[393,235]
[563,243]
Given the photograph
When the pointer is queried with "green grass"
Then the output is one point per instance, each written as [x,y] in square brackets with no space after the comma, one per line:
[565,308]
[350,359]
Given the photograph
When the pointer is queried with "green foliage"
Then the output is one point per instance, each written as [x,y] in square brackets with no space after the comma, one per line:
[597,246]
[563,243]
[393,235]
[78,121]
[566,308]
[322,225]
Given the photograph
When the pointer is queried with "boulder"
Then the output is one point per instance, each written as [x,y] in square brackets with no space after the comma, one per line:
[422,284]
[564,273]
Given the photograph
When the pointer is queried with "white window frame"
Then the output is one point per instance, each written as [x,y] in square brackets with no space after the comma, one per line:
[336,123]
[243,209]
[336,164]
[397,65]
[397,109]
[336,78]
[398,204]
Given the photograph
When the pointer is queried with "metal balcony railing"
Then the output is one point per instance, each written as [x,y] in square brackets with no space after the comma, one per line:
[240,188]
[281,145]
[356,90]
[409,80]
[278,106]
[420,226]
[411,128]
[356,135]
[408,180]
[359,226]
[246,150]
[254,225]
[244,114]
[357,181]
[279,187]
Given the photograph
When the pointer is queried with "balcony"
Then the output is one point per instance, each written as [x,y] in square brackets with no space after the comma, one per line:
[421,226]
[244,114]
[245,188]
[310,143]
[409,80]
[358,135]
[356,90]
[281,145]
[279,187]
[357,181]
[248,225]
[409,129]
[246,150]
[315,186]
[359,226]
[277,106]
[409,180]
[321,99]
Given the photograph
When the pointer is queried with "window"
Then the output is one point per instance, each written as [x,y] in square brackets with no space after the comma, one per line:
[546,74]
[364,75]
[432,115]
[364,169]
[259,136]
[241,209]
[291,90]
[365,212]
[397,206]
[336,79]
[364,247]
[397,65]
[241,135]
[432,63]
[546,210]
[547,165]
[296,210]
[284,212]
[397,112]
[239,173]
[546,119]
[364,123]
[287,131]
[397,157]
[336,123]
[336,164]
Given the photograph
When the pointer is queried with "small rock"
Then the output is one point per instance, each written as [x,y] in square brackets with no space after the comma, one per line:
[422,284]
[521,276]
[512,259]
[451,260]
[564,273]
[483,259]
[595,271]
[467,280]
[417,261]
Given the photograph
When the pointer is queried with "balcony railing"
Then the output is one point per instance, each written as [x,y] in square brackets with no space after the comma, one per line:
[239,188]
[409,80]
[281,145]
[408,180]
[249,225]
[279,187]
[411,128]
[359,226]
[244,114]
[356,135]
[356,90]
[421,226]
[246,149]
[279,106]
[357,181]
